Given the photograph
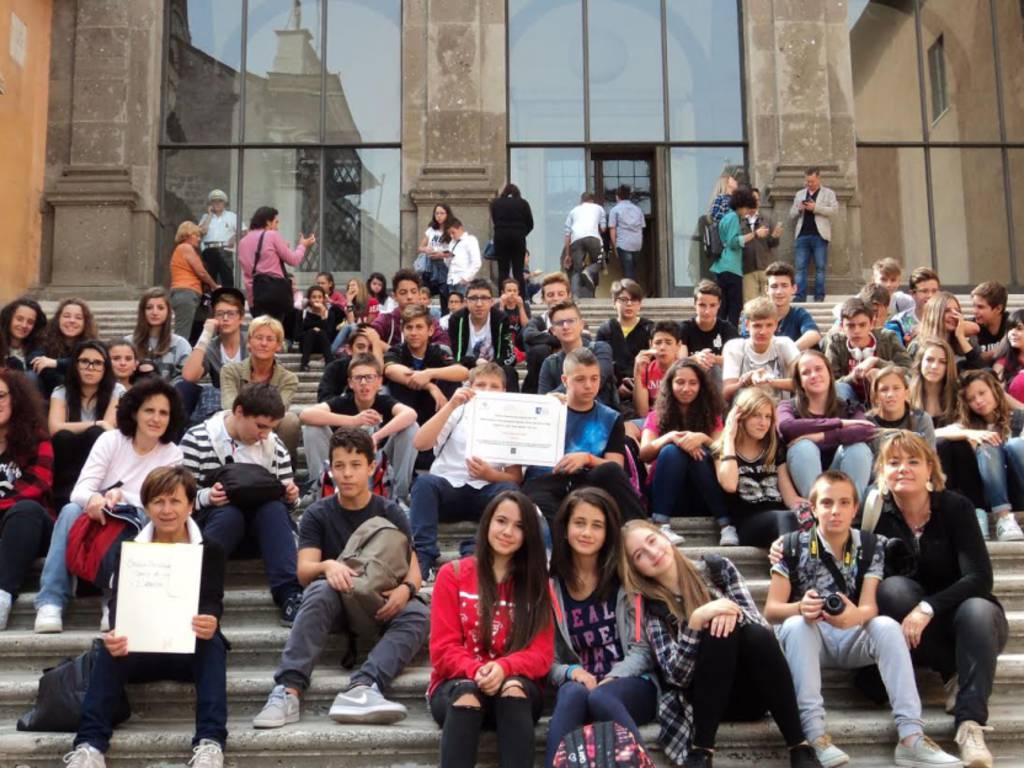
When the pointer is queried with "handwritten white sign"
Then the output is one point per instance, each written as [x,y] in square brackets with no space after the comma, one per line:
[507,428]
[157,596]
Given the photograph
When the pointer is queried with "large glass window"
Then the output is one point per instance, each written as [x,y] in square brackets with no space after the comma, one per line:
[322,79]
[894,224]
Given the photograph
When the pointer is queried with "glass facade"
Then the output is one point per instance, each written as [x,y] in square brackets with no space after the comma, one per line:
[938,176]
[642,92]
[310,129]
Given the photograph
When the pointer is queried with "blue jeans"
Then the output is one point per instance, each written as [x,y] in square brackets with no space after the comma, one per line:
[804,462]
[435,500]
[628,701]
[678,478]
[994,462]
[628,261]
[270,526]
[807,246]
[55,584]
[207,668]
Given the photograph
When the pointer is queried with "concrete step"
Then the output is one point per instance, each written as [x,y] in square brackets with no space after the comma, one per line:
[868,735]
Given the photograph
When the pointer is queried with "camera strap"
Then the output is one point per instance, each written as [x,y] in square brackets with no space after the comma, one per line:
[865,555]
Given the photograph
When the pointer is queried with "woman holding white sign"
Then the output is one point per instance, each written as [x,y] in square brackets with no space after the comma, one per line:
[168,495]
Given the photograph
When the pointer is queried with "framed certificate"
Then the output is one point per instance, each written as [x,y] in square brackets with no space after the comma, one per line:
[507,428]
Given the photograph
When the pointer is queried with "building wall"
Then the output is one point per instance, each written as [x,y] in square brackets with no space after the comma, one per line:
[23,111]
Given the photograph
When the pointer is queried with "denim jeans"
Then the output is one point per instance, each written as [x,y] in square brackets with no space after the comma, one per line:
[629,701]
[55,584]
[434,499]
[398,448]
[806,247]
[207,668]
[804,462]
[682,484]
[628,261]
[732,296]
[994,464]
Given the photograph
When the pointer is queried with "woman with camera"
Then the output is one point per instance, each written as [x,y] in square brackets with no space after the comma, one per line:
[942,592]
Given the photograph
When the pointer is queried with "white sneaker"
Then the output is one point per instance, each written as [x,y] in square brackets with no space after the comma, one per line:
[366,704]
[970,737]
[924,754]
[982,516]
[281,708]
[829,755]
[207,754]
[675,538]
[6,599]
[729,537]
[84,756]
[1007,528]
[49,620]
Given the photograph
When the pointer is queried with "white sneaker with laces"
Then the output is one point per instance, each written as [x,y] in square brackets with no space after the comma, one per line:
[6,600]
[970,737]
[366,704]
[729,537]
[829,755]
[925,753]
[675,538]
[281,709]
[85,756]
[207,754]
[49,620]
[1007,528]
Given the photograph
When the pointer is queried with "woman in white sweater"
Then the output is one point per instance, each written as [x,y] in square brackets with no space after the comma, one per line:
[149,419]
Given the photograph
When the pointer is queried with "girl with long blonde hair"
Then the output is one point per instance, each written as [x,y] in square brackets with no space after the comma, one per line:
[716,656]
[751,468]
[944,319]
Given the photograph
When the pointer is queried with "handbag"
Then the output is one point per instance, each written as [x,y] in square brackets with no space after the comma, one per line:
[271,295]
[92,546]
[247,485]
[61,693]
[603,744]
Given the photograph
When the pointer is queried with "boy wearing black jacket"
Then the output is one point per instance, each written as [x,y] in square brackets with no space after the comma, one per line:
[480,333]
[627,333]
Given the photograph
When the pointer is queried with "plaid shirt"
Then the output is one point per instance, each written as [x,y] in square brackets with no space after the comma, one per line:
[29,481]
[676,647]
[719,207]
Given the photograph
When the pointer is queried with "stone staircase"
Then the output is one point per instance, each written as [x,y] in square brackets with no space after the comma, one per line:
[159,732]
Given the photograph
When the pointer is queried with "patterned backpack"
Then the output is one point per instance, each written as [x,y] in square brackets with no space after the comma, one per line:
[601,745]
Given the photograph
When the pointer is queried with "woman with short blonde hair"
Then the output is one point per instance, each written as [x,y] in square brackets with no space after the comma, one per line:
[188,276]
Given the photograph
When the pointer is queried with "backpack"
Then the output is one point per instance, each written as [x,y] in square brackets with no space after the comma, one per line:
[601,745]
[710,244]
[791,555]
[379,552]
[91,552]
[247,486]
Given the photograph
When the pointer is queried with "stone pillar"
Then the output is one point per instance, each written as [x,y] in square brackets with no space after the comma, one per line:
[800,113]
[102,157]
[453,113]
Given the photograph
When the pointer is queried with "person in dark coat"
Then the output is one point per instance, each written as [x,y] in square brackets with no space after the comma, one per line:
[512,221]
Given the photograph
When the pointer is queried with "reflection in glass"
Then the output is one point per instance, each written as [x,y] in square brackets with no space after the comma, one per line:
[545,60]
[966,30]
[624,45]
[283,70]
[894,212]
[694,174]
[364,102]
[189,175]
[288,180]
[551,180]
[704,71]
[970,215]
[883,56]
[1016,169]
[361,217]
[1010,34]
[204,56]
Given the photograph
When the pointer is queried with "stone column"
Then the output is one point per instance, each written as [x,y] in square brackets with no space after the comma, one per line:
[800,113]
[453,113]
[102,160]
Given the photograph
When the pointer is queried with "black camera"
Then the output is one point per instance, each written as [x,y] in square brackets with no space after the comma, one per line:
[834,604]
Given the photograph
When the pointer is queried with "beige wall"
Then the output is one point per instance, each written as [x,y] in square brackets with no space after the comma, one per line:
[23,108]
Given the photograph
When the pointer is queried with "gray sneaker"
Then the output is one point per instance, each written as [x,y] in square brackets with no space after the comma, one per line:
[207,754]
[84,756]
[281,708]
[366,704]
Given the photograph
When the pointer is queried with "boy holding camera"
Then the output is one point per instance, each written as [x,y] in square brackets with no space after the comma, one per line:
[833,572]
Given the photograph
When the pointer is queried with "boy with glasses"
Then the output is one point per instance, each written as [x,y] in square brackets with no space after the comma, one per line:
[628,334]
[567,327]
[924,283]
[480,333]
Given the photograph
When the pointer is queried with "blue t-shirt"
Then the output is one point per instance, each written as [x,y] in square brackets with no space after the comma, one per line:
[598,431]
[795,324]
[593,632]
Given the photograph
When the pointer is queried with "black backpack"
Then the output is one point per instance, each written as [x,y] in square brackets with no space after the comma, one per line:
[791,555]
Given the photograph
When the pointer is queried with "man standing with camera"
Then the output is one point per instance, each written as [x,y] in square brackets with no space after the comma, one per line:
[813,208]
[823,592]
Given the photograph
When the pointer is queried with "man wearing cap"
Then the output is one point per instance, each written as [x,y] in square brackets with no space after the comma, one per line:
[219,228]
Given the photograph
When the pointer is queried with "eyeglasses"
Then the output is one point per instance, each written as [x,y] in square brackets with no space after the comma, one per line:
[87,365]
[566,323]
[226,314]
[627,300]
[4,396]
[478,299]
[365,378]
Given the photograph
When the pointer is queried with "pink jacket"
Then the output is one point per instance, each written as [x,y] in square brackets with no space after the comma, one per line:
[275,250]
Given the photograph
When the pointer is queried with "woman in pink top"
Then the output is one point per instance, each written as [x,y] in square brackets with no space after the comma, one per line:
[274,254]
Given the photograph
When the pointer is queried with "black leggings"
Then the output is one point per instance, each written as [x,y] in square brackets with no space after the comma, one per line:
[70,450]
[548,491]
[512,717]
[960,465]
[760,529]
[25,530]
[739,677]
[315,342]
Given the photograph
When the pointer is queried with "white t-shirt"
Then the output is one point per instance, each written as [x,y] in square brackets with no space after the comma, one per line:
[450,452]
[480,344]
[585,220]
[88,413]
[738,357]
[434,237]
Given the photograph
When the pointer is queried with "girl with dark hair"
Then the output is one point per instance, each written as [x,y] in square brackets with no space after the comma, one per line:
[377,288]
[320,321]
[821,430]
[717,657]
[26,473]
[512,221]
[72,322]
[602,669]
[22,323]
[80,411]
[154,335]
[149,419]
[435,245]
[1010,356]
[263,251]
[492,637]
[326,282]
[124,360]
[728,267]
[676,441]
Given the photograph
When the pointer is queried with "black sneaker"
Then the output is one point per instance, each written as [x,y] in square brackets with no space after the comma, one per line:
[290,609]
[698,758]
[803,756]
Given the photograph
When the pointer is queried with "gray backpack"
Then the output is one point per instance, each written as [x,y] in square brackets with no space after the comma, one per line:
[379,552]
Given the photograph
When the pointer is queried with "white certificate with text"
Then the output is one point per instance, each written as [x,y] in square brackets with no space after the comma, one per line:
[157,596]
[508,428]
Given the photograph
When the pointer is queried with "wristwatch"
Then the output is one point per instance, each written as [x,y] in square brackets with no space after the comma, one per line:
[411,587]
[926,608]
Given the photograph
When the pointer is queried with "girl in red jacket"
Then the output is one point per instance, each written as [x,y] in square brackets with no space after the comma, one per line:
[492,679]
